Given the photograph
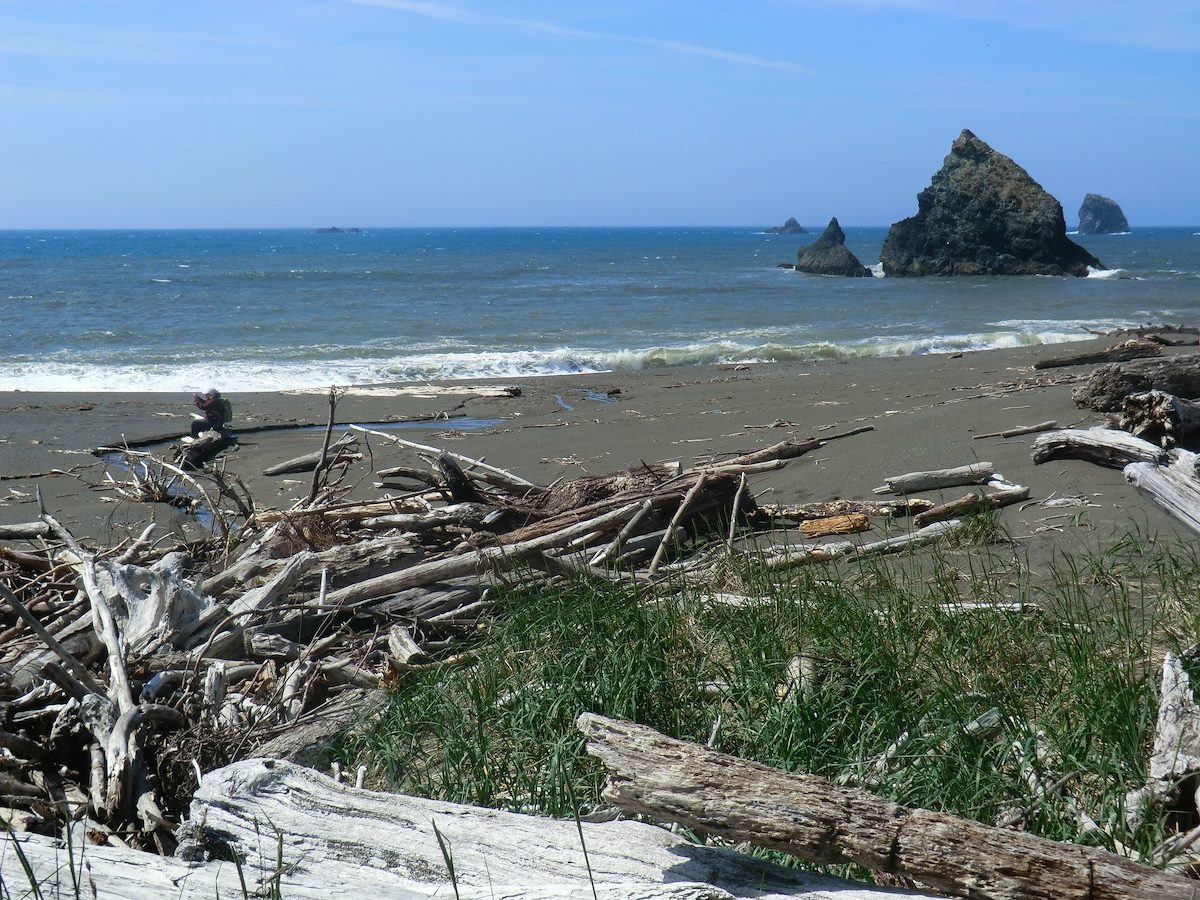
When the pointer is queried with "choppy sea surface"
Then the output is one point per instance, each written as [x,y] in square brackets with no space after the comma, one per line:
[277,309]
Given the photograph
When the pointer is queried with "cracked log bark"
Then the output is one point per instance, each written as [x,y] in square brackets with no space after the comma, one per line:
[1103,446]
[1174,487]
[1107,387]
[814,819]
[301,835]
[1122,352]
[1160,417]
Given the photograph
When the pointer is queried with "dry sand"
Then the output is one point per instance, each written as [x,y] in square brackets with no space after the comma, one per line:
[924,410]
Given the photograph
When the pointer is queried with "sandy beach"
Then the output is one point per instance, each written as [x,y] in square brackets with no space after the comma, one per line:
[924,412]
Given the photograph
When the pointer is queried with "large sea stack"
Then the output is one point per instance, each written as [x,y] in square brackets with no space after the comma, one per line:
[827,255]
[983,215]
[1100,215]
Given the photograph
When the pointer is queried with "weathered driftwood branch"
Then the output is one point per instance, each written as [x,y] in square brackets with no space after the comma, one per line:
[1107,387]
[675,520]
[814,819]
[972,503]
[914,482]
[308,462]
[1018,431]
[1122,352]
[1160,417]
[469,563]
[504,478]
[1102,446]
[836,550]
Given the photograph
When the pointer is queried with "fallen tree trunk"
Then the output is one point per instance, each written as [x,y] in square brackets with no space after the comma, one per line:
[1122,352]
[1174,487]
[1160,417]
[913,482]
[301,835]
[674,781]
[1106,388]
[1103,446]
[972,503]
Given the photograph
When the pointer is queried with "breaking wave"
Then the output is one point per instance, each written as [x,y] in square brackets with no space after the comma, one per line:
[274,375]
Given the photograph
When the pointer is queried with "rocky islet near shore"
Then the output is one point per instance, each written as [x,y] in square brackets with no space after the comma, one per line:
[1101,215]
[982,214]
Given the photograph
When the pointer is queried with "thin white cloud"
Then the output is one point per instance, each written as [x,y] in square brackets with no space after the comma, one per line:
[447,12]
[430,10]
[1161,25]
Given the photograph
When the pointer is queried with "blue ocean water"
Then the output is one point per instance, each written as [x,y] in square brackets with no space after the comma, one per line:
[278,309]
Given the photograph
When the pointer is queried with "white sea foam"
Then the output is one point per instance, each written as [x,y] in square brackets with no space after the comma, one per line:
[236,375]
[1105,273]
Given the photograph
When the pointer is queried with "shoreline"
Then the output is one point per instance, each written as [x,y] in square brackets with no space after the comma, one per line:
[924,411]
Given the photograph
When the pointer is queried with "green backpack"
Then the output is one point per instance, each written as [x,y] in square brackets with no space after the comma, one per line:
[225,408]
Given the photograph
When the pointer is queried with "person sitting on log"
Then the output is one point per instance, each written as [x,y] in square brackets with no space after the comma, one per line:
[218,412]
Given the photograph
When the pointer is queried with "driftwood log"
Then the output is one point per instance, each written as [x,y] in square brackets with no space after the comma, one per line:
[1107,447]
[816,820]
[914,482]
[1122,352]
[1174,487]
[301,835]
[972,503]
[1160,417]
[1106,388]
[309,461]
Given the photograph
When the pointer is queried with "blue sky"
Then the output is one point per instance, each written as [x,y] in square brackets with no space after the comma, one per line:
[254,113]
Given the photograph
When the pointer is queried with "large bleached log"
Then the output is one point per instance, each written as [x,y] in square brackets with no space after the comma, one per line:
[1174,487]
[1175,753]
[1106,388]
[1122,352]
[914,482]
[301,835]
[1160,417]
[814,819]
[1103,446]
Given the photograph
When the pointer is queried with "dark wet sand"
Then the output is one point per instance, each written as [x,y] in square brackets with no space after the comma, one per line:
[925,411]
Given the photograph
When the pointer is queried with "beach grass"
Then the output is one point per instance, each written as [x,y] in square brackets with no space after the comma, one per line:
[959,680]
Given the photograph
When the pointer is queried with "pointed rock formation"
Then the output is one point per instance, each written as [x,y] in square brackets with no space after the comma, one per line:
[982,214]
[827,255]
[791,226]
[1100,215]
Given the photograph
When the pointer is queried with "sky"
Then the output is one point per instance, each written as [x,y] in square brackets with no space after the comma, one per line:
[374,113]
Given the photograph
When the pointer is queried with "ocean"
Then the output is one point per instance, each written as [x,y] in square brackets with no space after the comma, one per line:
[261,310]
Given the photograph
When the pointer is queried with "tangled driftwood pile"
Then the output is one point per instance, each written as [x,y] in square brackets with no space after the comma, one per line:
[1151,416]
[126,672]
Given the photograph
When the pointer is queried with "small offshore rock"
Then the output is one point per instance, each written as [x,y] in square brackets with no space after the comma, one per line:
[1101,215]
[791,226]
[827,255]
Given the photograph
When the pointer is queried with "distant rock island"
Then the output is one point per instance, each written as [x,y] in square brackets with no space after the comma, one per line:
[982,214]
[827,255]
[791,226]
[1100,215]
[333,229]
